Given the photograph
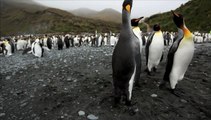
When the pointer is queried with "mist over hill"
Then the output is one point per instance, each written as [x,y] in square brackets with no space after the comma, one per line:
[108,14]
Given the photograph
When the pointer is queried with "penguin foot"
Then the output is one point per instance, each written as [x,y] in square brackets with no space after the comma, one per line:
[128,103]
[176,93]
[154,69]
[116,101]
[137,85]
[133,110]
[162,85]
[149,73]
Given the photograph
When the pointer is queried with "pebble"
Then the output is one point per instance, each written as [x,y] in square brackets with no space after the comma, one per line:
[2,114]
[36,67]
[92,117]
[183,101]
[69,79]
[81,113]
[24,104]
[8,77]
[154,95]
[40,80]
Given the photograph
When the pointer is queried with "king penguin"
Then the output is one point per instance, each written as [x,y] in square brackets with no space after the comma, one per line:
[37,49]
[8,48]
[180,54]
[137,31]
[154,49]
[126,58]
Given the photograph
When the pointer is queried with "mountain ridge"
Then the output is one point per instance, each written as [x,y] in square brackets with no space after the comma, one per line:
[107,14]
[20,20]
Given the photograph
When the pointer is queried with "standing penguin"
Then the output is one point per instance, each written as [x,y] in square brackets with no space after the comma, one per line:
[126,58]
[67,41]
[60,43]
[8,48]
[137,31]
[49,43]
[154,49]
[37,49]
[180,54]
[11,42]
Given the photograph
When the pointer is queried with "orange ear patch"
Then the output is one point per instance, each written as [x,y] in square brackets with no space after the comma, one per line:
[127,8]
[187,33]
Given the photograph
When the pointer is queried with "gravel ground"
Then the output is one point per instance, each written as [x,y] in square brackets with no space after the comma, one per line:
[62,83]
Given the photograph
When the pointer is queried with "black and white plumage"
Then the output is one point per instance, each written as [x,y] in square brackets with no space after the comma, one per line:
[179,55]
[154,49]
[126,58]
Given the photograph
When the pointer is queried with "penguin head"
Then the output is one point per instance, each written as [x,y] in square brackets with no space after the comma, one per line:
[127,5]
[135,21]
[156,27]
[178,19]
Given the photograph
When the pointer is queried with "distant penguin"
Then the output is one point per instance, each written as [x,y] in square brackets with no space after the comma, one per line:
[8,49]
[37,49]
[21,44]
[137,31]
[49,43]
[180,54]
[67,41]
[99,40]
[113,40]
[126,58]
[2,47]
[45,41]
[105,39]
[11,42]
[60,43]
[154,49]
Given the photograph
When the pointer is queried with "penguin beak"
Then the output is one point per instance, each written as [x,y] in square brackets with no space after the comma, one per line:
[175,14]
[141,18]
[138,20]
[128,7]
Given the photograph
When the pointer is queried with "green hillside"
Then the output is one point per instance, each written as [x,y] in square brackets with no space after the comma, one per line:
[19,20]
[197,14]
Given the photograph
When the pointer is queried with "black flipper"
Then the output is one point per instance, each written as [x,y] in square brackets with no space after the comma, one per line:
[171,53]
[149,40]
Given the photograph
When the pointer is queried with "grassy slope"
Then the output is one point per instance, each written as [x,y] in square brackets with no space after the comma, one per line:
[197,14]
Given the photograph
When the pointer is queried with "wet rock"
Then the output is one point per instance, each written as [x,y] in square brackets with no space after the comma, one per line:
[92,117]
[81,113]
[154,95]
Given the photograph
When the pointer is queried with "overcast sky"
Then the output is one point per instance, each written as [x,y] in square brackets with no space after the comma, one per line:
[140,7]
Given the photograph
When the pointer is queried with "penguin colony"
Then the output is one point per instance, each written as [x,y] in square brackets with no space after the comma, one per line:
[128,46]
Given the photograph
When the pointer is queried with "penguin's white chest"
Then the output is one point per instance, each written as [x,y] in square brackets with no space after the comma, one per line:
[9,49]
[138,33]
[37,50]
[182,59]
[156,49]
